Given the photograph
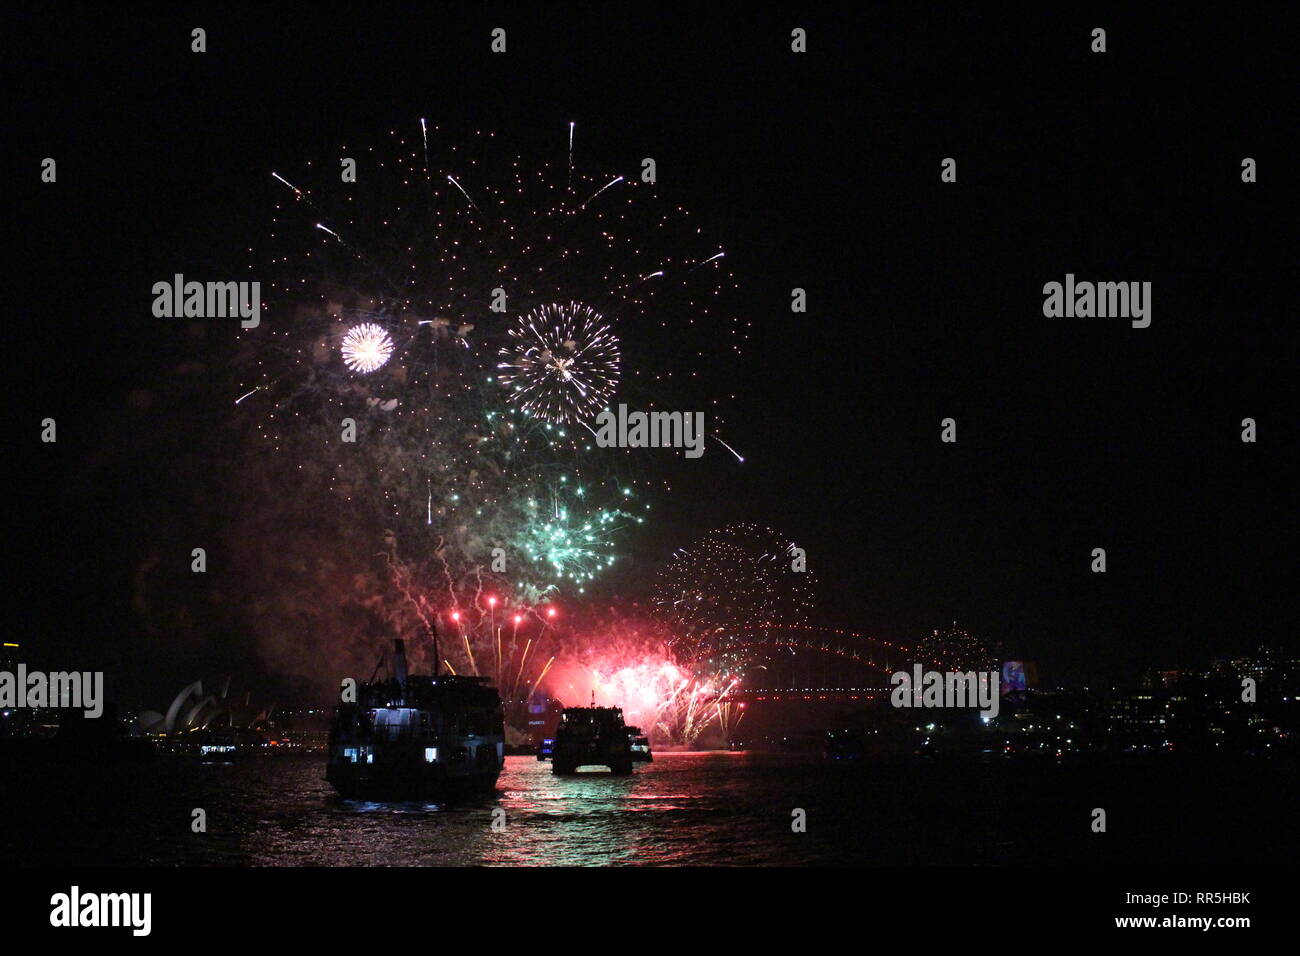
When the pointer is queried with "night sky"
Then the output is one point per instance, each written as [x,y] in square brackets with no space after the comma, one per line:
[818,171]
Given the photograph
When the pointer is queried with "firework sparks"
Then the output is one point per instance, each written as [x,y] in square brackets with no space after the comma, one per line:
[672,702]
[740,458]
[957,649]
[473,421]
[366,347]
[564,363]
[714,593]
[571,155]
[452,179]
[296,190]
[567,542]
[612,182]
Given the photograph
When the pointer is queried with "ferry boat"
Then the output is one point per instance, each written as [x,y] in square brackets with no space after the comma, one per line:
[638,743]
[593,736]
[417,737]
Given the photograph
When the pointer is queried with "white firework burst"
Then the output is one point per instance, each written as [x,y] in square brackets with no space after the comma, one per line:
[563,365]
[366,347]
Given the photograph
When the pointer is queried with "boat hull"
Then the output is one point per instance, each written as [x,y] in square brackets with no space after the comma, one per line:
[408,782]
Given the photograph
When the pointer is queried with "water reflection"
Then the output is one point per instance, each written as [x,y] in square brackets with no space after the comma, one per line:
[697,809]
[589,818]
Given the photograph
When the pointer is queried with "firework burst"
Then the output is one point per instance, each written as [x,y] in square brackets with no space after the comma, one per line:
[366,347]
[567,542]
[627,662]
[563,365]
[955,648]
[722,593]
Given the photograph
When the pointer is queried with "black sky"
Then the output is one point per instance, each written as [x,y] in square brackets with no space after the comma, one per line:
[819,171]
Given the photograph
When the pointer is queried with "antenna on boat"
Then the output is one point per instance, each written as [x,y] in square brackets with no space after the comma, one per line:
[378,664]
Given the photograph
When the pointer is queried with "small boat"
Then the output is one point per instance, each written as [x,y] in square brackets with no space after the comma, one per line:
[590,736]
[640,744]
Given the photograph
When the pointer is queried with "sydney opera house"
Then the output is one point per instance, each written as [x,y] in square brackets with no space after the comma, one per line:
[210,724]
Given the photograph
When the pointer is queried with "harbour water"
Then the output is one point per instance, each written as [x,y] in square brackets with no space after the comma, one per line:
[733,809]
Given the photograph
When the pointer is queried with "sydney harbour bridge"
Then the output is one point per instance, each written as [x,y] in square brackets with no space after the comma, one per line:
[809,663]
